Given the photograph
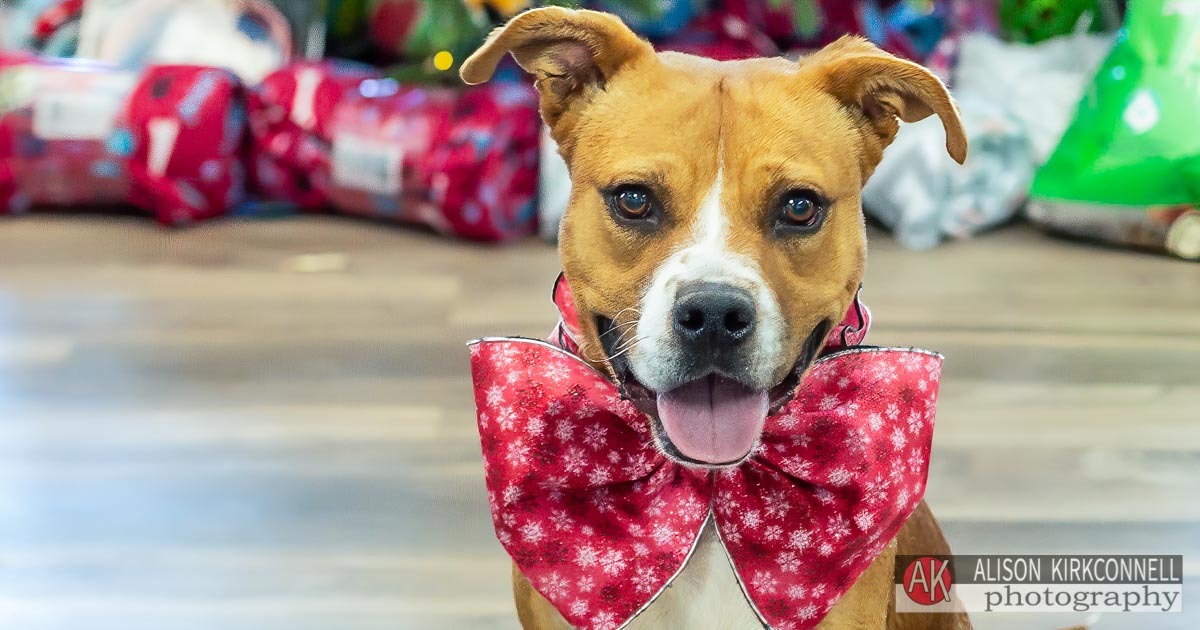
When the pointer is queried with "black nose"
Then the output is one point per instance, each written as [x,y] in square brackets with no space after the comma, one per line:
[712,316]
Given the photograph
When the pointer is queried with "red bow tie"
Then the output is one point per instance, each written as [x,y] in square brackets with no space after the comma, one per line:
[599,520]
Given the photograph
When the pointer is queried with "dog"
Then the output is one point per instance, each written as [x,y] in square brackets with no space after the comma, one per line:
[715,222]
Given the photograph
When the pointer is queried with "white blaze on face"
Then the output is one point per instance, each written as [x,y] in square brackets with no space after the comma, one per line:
[657,359]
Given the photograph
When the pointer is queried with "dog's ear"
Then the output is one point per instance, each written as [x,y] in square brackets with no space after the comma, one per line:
[570,52]
[885,90]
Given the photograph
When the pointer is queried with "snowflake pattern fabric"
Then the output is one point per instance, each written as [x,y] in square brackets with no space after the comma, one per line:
[600,521]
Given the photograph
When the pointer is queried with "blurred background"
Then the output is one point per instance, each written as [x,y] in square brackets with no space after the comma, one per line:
[246,239]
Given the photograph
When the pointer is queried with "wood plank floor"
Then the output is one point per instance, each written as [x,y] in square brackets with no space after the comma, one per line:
[268,425]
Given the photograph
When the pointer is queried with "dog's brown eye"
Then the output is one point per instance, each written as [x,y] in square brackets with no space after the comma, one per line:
[634,203]
[800,211]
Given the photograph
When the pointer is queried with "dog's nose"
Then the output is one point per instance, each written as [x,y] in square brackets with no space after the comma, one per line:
[713,316]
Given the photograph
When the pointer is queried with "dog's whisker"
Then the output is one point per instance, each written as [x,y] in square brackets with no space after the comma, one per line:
[625,342]
[617,326]
[630,345]
[622,342]
[615,356]
[623,331]
[636,311]
[620,327]
[628,342]
[628,309]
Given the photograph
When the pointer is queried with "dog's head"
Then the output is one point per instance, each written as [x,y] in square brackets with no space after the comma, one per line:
[714,234]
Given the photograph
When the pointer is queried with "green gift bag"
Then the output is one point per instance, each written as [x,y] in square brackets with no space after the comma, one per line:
[1135,139]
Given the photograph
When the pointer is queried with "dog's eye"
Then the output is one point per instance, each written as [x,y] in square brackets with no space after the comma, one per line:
[632,203]
[800,211]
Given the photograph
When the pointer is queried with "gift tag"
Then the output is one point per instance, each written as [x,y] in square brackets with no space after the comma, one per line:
[366,164]
[83,109]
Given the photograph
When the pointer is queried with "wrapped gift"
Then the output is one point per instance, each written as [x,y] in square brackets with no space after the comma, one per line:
[462,162]
[796,22]
[290,112]
[166,139]
[919,193]
[722,36]
[249,37]
[909,28]
[1015,101]
[1040,83]
[1133,140]
[1127,170]
[667,18]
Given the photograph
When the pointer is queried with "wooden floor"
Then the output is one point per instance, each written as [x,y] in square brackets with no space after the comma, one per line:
[268,425]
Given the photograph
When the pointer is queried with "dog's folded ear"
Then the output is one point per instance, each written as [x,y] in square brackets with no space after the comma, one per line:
[886,90]
[569,51]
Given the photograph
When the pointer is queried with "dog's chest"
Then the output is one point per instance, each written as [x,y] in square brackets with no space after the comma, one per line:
[706,594]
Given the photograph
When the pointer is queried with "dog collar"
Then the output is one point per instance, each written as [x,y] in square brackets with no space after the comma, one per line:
[600,521]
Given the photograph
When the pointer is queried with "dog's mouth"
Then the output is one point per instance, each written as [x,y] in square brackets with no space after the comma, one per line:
[713,420]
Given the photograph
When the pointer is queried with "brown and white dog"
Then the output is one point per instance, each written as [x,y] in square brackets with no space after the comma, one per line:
[715,229]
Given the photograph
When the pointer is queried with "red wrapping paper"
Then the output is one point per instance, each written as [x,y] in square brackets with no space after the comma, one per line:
[462,162]
[167,139]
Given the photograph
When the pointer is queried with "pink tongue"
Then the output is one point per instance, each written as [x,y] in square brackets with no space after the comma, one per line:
[712,419]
